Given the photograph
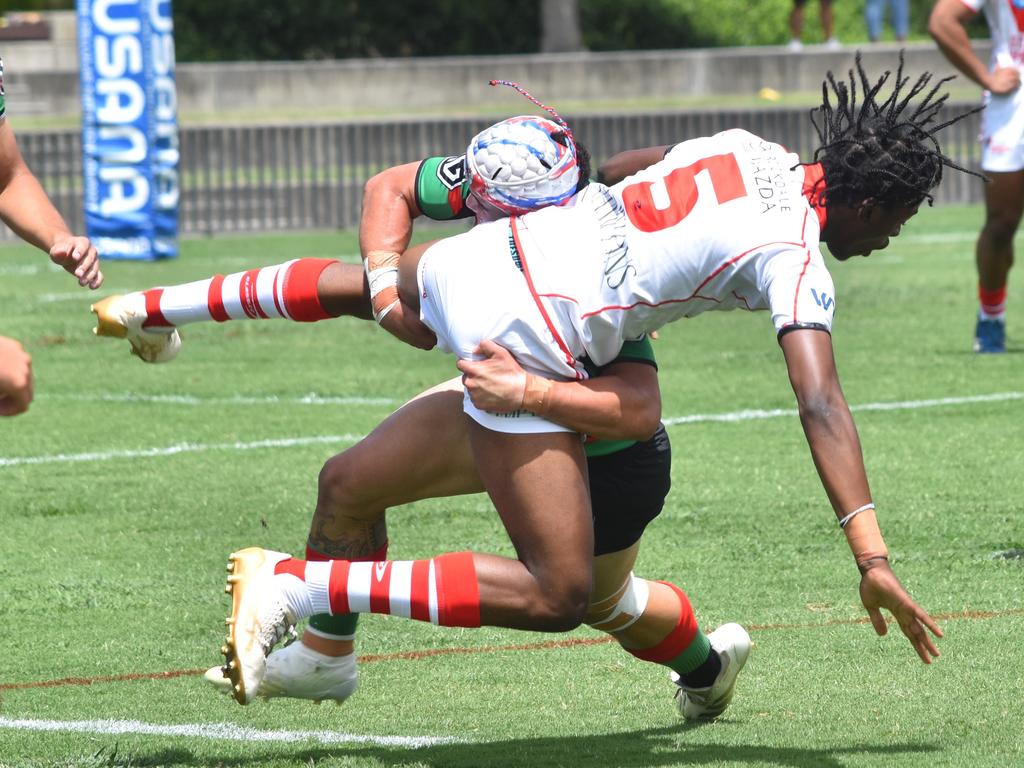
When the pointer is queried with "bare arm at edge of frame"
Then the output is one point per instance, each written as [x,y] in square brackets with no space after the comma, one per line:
[26,209]
[947,27]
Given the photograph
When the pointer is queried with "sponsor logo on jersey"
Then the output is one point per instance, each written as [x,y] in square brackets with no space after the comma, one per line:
[822,299]
[452,171]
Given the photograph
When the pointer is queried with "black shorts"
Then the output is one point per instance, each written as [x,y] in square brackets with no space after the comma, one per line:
[628,490]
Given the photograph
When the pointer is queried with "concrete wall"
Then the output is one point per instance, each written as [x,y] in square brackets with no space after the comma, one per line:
[47,83]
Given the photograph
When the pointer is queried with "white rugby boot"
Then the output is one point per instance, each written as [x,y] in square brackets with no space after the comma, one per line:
[121,317]
[732,643]
[298,672]
[260,617]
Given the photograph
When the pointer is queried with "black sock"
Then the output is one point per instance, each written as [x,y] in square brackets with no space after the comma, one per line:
[704,675]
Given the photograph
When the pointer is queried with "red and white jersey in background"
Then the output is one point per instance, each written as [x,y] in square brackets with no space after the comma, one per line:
[720,223]
[1006,26]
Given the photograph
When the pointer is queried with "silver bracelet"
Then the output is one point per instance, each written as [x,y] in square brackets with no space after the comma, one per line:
[843,522]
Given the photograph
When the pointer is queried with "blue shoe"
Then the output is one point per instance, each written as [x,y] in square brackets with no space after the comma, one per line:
[990,336]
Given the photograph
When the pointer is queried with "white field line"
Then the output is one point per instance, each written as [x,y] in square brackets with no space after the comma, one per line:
[80,295]
[939,237]
[310,399]
[173,450]
[734,416]
[904,405]
[20,269]
[219,731]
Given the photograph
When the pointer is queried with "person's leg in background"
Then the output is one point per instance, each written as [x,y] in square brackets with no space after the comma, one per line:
[873,10]
[900,19]
[796,25]
[828,25]
[1004,204]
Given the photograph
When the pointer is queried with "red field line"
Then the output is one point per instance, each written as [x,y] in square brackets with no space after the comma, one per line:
[543,646]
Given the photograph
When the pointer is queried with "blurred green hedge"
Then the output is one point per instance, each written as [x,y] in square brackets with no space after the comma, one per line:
[257,30]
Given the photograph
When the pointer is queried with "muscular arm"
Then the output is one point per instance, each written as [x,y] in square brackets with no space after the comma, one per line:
[624,164]
[27,210]
[385,228]
[389,209]
[623,403]
[947,26]
[836,450]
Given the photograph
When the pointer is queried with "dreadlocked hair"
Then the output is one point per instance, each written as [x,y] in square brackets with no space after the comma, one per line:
[884,150]
[582,156]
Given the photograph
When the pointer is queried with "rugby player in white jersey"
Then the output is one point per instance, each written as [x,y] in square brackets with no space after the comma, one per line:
[1002,142]
[727,222]
[422,449]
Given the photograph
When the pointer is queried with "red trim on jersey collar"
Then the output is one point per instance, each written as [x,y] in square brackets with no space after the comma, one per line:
[814,185]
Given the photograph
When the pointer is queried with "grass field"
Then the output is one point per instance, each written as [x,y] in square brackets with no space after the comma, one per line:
[125,486]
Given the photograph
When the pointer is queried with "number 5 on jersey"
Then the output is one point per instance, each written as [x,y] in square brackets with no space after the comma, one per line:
[681,185]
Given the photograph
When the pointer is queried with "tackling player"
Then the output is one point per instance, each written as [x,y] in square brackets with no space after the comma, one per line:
[1002,142]
[549,169]
[628,468]
[727,222]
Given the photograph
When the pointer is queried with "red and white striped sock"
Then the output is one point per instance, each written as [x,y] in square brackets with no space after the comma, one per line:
[282,291]
[992,303]
[443,590]
[343,625]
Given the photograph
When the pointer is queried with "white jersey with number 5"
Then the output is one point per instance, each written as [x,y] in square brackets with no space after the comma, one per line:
[723,222]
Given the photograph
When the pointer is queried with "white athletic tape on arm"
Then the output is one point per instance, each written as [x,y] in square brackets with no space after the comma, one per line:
[382,277]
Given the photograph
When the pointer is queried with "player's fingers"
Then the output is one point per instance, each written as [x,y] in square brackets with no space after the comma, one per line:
[877,621]
[489,348]
[929,622]
[97,279]
[89,272]
[60,251]
[923,644]
[909,617]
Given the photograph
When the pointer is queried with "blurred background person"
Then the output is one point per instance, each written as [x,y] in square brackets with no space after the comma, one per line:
[1002,145]
[874,14]
[796,25]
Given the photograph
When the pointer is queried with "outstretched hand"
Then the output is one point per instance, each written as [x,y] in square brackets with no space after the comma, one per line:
[497,382]
[79,257]
[879,588]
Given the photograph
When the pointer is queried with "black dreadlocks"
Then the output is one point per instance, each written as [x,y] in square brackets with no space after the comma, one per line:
[884,150]
[582,156]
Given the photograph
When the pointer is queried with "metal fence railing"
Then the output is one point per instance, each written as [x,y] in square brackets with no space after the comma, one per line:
[258,178]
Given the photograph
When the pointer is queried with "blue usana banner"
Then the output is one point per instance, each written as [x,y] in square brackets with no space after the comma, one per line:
[129,127]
